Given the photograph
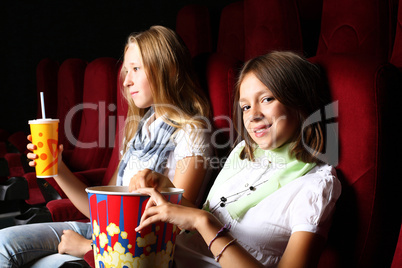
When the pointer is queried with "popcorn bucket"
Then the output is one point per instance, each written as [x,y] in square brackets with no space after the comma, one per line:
[115,213]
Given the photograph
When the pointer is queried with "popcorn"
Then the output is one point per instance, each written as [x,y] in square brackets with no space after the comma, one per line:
[112,229]
[118,257]
[148,239]
[117,245]
[96,228]
[123,235]
[103,240]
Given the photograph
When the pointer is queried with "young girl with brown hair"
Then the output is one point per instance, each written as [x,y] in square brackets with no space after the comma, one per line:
[271,204]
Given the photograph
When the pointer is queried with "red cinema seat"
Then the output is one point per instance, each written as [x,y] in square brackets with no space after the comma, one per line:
[361,27]
[368,213]
[93,146]
[14,150]
[397,259]
[46,82]
[193,25]
[70,89]
[222,69]
[70,82]
[63,209]
[271,25]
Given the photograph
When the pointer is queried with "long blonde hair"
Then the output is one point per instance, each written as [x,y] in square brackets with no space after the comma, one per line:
[175,89]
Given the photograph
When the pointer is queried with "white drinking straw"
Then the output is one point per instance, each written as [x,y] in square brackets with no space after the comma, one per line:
[42,102]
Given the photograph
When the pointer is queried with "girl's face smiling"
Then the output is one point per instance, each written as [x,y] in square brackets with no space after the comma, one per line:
[268,122]
[136,79]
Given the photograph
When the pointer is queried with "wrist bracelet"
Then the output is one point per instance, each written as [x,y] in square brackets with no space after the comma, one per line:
[223,230]
[223,249]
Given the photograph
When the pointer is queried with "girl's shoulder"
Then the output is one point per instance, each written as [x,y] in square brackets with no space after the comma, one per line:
[322,178]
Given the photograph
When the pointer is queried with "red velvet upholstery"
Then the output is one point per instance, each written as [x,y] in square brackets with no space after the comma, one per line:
[70,88]
[396,59]
[231,31]
[94,149]
[46,81]
[397,260]
[63,210]
[360,27]
[89,258]
[69,80]
[368,214]
[271,25]
[194,27]
[222,67]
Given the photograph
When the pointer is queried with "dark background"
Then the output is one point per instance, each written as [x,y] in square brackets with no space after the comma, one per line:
[59,29]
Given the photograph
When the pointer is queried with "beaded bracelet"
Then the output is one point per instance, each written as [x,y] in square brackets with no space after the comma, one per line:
[223,230]
[223,249]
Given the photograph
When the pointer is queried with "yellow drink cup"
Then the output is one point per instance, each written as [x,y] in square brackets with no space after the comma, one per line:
[45,134]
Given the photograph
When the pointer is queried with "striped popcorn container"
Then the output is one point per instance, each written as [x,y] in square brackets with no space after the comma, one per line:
[115,213]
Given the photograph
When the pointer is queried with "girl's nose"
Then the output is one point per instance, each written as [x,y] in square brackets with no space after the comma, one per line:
[256,114]
[128,80]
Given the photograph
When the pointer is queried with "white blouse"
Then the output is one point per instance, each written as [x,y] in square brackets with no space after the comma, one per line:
[189,142]
[305,204]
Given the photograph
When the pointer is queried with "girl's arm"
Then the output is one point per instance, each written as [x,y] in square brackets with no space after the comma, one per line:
[68,182]
[158,209]
[303,249]
[189,175]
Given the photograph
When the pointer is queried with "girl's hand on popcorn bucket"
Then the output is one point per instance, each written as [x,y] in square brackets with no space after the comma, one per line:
[159,209]
[149,178]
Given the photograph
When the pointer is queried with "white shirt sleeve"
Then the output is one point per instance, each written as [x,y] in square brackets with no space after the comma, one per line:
[189,142]
[312,207]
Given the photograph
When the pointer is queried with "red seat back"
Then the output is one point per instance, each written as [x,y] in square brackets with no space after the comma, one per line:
[231,31]
[271,25]
[193,25]
[397,259]
[122,108]
[70,88]
[94,144]
[368,213]
[222,67]
[361,27]
[46,82]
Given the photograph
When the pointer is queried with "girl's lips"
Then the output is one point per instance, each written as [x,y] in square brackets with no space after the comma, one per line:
[133,93]
[261,130]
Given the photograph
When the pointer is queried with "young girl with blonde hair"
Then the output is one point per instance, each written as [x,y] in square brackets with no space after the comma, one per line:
[167,136]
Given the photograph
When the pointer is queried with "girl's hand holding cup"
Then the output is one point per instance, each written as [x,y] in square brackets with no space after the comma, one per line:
[31,156]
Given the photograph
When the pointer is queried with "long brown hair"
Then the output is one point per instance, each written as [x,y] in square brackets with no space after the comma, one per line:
[175,89]
[296,83]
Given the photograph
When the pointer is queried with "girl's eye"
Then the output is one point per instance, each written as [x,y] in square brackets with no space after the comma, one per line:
[267,99]
[136,69]
[245,108]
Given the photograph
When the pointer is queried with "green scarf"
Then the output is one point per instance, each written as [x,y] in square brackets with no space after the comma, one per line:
[292,169]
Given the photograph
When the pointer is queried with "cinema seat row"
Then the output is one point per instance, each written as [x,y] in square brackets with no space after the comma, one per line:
[358,44]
